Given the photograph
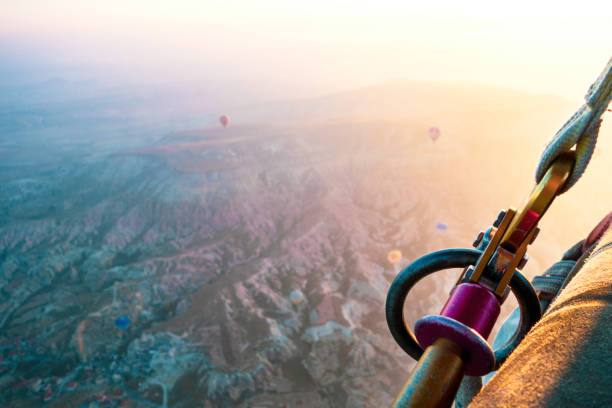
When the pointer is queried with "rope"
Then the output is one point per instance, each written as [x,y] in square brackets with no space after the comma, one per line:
[581,130]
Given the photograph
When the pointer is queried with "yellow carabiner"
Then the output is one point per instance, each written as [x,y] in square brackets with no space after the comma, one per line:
[515,232]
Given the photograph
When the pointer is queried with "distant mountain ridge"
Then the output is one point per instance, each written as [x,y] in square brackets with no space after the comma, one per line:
[401,99]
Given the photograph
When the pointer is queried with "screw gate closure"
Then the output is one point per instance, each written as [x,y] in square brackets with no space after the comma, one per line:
[508,246]
[465,303]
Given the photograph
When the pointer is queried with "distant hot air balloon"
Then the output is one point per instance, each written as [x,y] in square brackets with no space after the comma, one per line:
[434,133]
[394,256]
[225,120]
[122,322]
[441,226]
[296,297]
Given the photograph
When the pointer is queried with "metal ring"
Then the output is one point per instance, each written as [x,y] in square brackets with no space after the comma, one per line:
[446,259]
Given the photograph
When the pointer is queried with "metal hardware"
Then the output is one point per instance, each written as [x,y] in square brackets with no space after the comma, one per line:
[499,219]
[494,266]
[447,259]
[507,247]
[434,381]
[478,239]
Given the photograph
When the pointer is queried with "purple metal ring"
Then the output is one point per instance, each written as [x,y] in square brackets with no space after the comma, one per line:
[474,306]
[480,358]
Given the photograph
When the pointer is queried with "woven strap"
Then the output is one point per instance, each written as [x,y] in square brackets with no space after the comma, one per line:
[597,232]
[581,130]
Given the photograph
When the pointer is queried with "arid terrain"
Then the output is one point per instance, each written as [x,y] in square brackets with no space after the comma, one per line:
[252,260]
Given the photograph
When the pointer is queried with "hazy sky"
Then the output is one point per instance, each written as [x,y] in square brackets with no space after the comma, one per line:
[310,47]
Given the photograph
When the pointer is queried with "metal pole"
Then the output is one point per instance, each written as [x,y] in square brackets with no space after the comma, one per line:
[434,381]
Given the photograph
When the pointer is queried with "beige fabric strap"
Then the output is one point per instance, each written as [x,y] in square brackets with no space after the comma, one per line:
[565,359]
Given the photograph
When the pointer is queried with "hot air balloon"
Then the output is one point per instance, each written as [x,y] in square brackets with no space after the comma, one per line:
[225,120]
[441,226]
[296,297]
[394,256]
[434,133]
[122,322]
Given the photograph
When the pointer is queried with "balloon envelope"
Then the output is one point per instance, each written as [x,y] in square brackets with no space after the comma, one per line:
[122,322]
[434,133]
[394,256]
[442,226]
[296,297]
[225,120]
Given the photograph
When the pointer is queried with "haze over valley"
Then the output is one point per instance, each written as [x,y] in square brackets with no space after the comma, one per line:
[251,260]
[152,255]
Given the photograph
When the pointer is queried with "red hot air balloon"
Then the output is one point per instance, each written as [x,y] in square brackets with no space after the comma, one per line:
[225,120]
[434,133]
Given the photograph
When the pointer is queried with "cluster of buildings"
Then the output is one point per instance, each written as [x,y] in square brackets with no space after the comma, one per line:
[87,381]
[84,376]
[46,388]
[13,351]
[115,400]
